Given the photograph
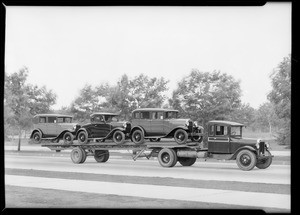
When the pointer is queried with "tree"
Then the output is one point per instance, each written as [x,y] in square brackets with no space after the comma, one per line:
[280,96]
[204,96]
[22,101]
[244,114]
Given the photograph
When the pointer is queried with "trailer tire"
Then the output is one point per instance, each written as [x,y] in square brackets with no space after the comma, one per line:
[68,138]
[78,155]
[82,137]
[138,137]
[101,156]
[167,157]
[186,161]
[246,160]
[264,163]
[119,137]
[180,136]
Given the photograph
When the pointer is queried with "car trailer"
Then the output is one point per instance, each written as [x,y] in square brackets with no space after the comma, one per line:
[167,153]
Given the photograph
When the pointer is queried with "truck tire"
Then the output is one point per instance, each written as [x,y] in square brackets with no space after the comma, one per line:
[180,136]
[82,137]
[138,137]
[264,163]
[167,157]
[68,138]
[119,137]
[246,160]
[186,161]
[78,155]
[101,156]
[37,137]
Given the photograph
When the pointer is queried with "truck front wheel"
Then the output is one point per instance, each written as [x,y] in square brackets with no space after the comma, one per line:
[264,162]
[246,160]
[167,157]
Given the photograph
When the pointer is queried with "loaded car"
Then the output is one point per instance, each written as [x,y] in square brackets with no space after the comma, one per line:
[225,141]
[104,126]
[157,123]
[53,127]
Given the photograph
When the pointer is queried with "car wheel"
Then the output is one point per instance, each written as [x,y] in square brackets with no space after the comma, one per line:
[154,139]
[180,136]
[197,138]
[78,155]
[83,137]
[68,138]
[186,161]
[167,157]
[138,137]
[246,160]
[101,156]
[37,137]
[119,137]
[265,162]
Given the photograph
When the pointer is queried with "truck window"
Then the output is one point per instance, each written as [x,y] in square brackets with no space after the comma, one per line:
[211,130]
[221,130]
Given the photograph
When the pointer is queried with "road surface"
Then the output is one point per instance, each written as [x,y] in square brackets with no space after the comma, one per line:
[124,183]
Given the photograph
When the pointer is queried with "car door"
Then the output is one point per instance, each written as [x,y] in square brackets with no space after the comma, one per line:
[145,122]
[218,139]
[157,123]
[51,126]
[99,127]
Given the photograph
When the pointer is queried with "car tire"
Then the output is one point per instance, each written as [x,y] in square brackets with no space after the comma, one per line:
[167,157]
[246,160]
[78,155]
[186,161]
[180,136]
[82,137]
[154,139]
[138,137]
[68,138]
[264,163]
[37,137]
[101,156]
[119,137]
[197,139]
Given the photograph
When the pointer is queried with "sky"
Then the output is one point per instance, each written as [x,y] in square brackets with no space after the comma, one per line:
[66,48]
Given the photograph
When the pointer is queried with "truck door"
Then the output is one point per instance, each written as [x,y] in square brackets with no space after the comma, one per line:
[218,139]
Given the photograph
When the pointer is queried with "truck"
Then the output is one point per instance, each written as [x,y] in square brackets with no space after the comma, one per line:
[224,142]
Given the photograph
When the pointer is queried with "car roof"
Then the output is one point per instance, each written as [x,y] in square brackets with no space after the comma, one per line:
[154,109]
[104,113]
[53,114]
[224,122]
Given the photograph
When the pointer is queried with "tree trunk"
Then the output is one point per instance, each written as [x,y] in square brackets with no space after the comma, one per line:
[19,142]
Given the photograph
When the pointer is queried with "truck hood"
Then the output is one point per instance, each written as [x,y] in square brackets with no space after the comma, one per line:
[244,140]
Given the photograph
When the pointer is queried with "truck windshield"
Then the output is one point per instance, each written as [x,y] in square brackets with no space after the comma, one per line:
[236,131]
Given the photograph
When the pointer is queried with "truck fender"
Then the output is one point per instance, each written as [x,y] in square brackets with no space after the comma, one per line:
[250,148]
[36,130]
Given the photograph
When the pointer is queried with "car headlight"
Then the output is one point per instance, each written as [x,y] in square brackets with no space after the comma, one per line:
[267,145]
[257,143]
[196,124]
[187,123]
[124,124]
[74,127]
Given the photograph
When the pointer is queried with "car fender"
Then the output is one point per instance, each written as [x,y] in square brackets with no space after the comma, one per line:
[172,132]
[63,132]
[137,127]
[37,129]
[113,130]
[250,148]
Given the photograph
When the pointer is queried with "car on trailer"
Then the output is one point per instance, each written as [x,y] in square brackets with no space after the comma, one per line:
[157,123]
[53,127]
[104,126]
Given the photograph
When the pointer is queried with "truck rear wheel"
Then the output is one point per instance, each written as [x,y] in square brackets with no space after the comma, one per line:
[265,162]
[78,155]
[246,160]
[167,157]
[186,161]
[101,156]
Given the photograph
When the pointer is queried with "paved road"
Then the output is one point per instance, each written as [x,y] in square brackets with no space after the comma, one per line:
[214,183]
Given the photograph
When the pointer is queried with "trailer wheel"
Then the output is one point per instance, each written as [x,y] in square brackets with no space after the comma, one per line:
[37,137]
[167,157]
[101,156]
[180,136]
[246,160]
[68,138]
[119,137]
[78,155]
[186,161]
[265,162]
[138,137]
[83,137]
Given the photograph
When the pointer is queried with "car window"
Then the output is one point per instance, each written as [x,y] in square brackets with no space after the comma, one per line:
[68,120]
[171,115]
[211,130]
[136,115]
[51,119]
[145,115]
[98,118]
[221,130]
[154,115]
[42,120]
[157,115]
[60,119]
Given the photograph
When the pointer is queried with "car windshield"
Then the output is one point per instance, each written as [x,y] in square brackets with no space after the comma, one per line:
[64,119]
[236,131]
[111,118]
[171,115]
